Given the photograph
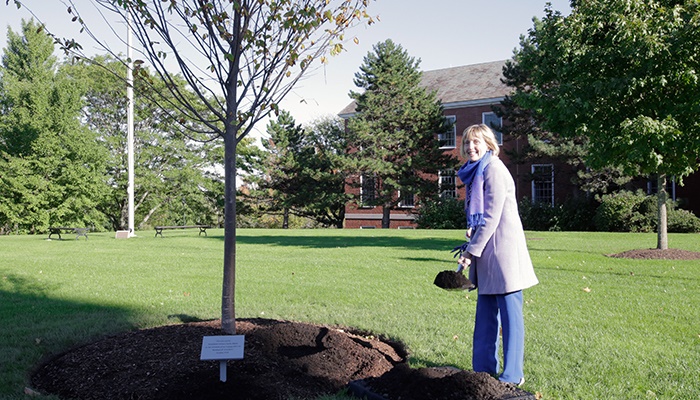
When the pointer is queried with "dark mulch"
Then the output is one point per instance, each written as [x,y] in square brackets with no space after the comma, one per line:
[444,383]
[656,254]
[282,360]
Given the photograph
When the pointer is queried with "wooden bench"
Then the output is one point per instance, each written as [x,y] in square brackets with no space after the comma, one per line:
[202,229]
[78,231]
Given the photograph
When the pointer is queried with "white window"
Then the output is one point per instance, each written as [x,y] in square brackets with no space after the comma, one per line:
[653,187]
[407,199]
[543,183]
[368,191]
[446,180]
[494,122]
[448,140]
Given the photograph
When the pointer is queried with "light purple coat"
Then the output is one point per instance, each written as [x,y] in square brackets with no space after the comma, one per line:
[501,262]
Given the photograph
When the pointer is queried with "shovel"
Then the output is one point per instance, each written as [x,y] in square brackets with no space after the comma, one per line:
[454,280]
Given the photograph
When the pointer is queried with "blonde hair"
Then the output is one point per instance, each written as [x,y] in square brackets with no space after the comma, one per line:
[480,131]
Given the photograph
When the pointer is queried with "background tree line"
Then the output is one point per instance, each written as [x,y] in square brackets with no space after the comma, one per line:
[63,152]
[62,135]
[63,146]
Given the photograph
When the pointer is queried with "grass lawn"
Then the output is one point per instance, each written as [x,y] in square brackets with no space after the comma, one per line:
[597,327]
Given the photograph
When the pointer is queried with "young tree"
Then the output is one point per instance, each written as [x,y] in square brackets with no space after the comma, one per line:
[624,75]
[52,168]
[394,133]
[240,58]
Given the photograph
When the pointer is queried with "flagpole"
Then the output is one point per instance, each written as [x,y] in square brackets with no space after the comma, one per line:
[130,125]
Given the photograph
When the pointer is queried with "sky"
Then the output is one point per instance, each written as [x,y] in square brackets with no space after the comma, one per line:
[440,33]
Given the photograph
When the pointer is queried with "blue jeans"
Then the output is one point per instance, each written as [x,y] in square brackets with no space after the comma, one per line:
[492,312]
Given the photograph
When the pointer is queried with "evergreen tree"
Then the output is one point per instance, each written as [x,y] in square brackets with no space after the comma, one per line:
[52,168]
[301,173]
[325,201]
[285,181]
[393,135]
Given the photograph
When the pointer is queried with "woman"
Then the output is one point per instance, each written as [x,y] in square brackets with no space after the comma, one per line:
[497,254]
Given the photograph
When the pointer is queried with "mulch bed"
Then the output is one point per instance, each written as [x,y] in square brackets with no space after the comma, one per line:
[656,254]
[282,360]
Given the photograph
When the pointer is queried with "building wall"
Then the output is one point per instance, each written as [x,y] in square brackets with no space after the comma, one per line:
[564,189]
[688,195]
[366,217]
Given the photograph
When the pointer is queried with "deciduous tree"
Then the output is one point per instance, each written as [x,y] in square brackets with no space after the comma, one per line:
[240,58]
[543,144]
[624,74]
[173,167]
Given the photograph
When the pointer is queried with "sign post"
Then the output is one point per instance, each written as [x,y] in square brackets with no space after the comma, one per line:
[222,348]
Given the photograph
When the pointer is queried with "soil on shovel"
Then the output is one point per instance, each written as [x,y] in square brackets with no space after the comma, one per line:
[282,360]
[452,280]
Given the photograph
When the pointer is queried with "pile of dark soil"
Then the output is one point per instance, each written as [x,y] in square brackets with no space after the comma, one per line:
[282,360]
[444,383]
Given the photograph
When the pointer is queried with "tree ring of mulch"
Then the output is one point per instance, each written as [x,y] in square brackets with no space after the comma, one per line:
[657,254]
[452,280]
[282,360]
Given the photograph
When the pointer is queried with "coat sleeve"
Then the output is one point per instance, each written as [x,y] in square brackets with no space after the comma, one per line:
[495,190]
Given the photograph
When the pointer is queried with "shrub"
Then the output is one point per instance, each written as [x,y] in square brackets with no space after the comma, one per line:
[577,214]
[682,221]
[442,214]
[625,211]
[572,215]
[538,216]
[637,212]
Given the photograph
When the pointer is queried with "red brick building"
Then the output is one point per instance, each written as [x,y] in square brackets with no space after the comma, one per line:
[468,94]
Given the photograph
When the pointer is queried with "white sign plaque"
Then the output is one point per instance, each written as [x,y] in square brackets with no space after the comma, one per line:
[224,347]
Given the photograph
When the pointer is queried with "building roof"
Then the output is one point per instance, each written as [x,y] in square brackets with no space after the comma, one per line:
[462,86]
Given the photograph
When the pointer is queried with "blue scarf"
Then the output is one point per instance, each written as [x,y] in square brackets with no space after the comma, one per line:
[472,175]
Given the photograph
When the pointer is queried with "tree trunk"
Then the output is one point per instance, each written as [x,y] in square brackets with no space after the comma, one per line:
[285,218]
[662,226]
[228,314]
[231,127]
[386,214]
[340,220]
[148,215]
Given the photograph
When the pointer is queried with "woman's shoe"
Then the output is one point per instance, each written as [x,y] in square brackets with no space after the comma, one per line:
[519,383]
